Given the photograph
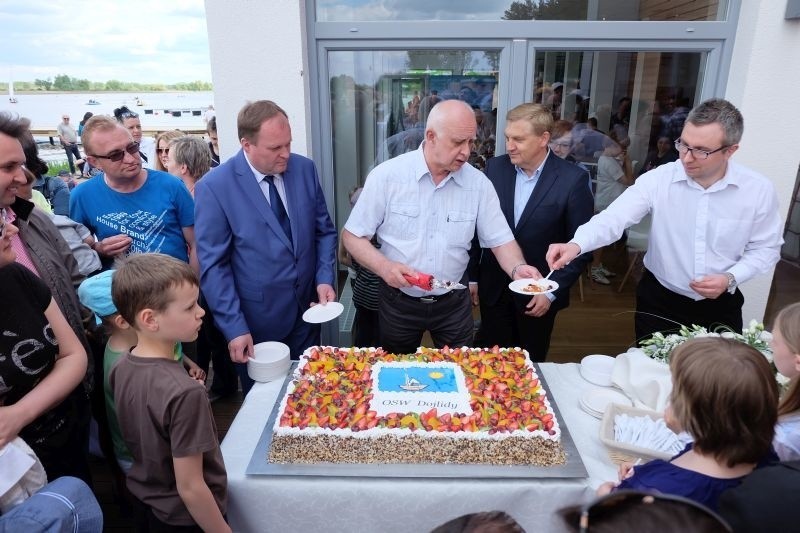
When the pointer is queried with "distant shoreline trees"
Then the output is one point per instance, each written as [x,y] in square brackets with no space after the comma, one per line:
[64,82]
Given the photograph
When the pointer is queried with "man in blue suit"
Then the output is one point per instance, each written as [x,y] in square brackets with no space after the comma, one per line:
[266,243]
[543,199]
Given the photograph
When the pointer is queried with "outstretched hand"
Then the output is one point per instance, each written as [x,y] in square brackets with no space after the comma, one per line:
[559,255]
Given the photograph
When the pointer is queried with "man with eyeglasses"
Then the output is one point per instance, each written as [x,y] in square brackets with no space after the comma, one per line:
[69,140]
[715,225]
[131,209]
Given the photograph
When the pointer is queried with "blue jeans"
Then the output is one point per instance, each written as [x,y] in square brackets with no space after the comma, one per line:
[64,505]
[72,150]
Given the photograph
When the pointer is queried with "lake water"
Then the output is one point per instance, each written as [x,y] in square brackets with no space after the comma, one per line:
[46,109]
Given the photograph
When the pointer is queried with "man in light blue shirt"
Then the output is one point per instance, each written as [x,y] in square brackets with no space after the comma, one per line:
[425,207]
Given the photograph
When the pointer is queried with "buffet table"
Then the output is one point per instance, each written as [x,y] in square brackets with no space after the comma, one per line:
[293,503]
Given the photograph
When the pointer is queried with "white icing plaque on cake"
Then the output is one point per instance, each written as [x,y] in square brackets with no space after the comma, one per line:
[414,387]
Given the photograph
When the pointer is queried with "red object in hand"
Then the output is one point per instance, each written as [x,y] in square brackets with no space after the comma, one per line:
[423,281]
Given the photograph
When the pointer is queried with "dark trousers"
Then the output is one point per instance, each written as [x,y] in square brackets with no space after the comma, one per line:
[212,349]
[72,150]
[146,522]
[658,309]
[403,320]
[366,328]
[301,337]
[504,324]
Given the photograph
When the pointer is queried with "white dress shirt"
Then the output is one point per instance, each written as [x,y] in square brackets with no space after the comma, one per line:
[733,226]
[264,185]
[425,226]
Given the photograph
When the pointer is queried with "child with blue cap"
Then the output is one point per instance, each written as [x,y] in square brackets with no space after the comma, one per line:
[95,294]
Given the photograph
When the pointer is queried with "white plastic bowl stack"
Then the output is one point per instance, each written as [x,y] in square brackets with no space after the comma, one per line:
[270,361]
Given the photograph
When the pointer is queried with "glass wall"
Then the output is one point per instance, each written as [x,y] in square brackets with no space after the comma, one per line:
[380,102]
[634,98]
[421,10]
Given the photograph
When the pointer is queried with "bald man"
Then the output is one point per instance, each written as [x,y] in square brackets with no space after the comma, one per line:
[425,207]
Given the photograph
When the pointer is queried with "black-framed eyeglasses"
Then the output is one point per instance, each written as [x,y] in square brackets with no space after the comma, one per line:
[697,153]
[620,498]
[119,155]
[164,151]
[3,223]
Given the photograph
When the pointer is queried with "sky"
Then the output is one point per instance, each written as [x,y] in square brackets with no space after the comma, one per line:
[147,41]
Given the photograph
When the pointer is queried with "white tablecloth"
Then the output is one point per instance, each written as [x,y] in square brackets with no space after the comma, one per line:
[330,504]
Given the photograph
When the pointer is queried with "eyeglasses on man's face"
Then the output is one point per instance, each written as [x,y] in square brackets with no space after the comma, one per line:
[65,118]
[118,155]
[697,153]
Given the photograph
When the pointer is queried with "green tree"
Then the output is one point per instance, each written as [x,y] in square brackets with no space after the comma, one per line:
[547,10]
[44,84]
[114,85]
[62,83]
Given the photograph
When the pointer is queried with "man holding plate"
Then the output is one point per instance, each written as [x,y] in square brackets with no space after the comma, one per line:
[266,243]
[544,199]
[425,207]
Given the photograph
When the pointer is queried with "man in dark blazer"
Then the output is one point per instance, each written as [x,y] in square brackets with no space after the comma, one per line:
[268,245]
[543,198]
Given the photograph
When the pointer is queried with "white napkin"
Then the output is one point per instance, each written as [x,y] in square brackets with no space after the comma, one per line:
[21,474]
[645,381]
[644,432]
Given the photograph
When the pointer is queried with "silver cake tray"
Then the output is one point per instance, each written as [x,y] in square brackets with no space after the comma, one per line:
[259,466]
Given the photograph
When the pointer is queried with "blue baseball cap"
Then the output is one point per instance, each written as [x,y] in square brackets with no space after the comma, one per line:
[95,293]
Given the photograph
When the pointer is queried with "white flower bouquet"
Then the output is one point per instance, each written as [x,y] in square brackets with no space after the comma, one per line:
[660,346]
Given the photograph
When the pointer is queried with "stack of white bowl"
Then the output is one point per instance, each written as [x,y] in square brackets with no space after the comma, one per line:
[270,361]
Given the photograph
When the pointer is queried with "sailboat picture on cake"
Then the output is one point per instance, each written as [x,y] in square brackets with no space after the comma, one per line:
[415,379]
[412,385]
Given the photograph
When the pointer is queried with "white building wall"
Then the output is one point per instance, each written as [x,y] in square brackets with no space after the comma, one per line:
[257,54]
[258,51]
[764,82]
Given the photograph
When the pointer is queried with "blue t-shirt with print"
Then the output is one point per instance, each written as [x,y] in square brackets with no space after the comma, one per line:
[153,216]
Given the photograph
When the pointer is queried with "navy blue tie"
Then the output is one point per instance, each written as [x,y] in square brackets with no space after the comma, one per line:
[277,207]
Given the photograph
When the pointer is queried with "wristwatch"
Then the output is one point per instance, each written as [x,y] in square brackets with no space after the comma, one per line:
[731,282]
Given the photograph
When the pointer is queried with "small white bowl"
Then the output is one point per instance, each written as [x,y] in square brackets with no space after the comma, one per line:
[597,369]
[266,353]
[269,362]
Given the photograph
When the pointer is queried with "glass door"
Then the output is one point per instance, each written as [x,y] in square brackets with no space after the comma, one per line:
[380,100]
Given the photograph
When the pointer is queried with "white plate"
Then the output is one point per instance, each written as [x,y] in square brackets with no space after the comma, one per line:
[323,313]
[520,285]
[597,369]
[595,401]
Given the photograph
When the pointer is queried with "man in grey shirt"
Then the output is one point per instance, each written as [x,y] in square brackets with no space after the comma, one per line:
[69,140]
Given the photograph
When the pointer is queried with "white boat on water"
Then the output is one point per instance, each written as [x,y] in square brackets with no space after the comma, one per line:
[11,98]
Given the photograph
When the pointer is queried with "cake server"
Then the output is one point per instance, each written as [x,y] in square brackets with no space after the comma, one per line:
[428,282]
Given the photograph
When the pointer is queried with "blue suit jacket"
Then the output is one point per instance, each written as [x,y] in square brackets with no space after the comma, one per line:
[560,202]
[254,279]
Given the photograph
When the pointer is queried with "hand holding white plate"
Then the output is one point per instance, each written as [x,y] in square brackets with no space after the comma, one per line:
[316,314]
[532,287]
